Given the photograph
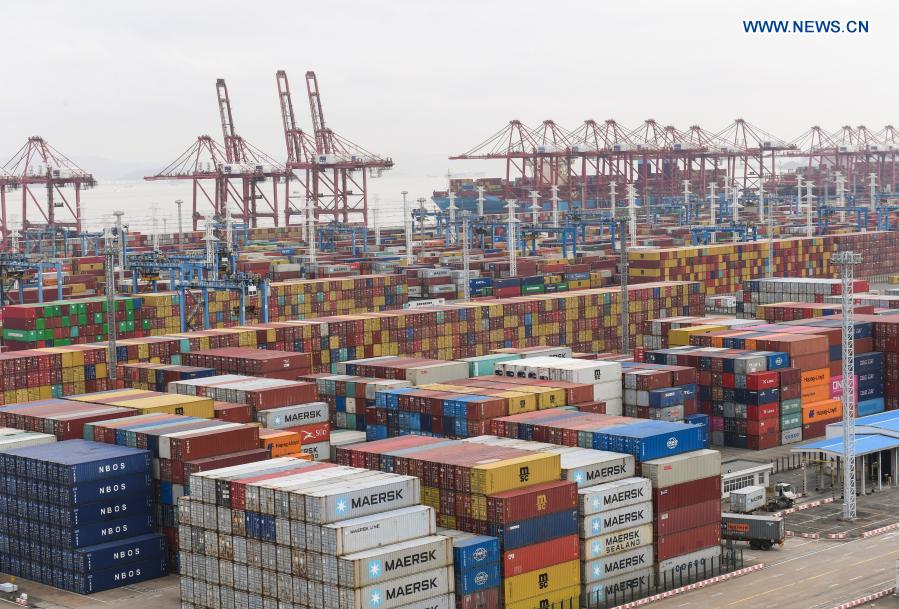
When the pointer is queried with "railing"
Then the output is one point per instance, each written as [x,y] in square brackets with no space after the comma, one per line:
[731,559]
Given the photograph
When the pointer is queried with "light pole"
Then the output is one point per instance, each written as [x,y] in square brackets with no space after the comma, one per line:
[407,224]
[179,202]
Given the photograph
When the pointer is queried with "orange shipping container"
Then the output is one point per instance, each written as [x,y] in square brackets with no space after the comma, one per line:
[815,377]
[817,393]
[825,410]
[280,442]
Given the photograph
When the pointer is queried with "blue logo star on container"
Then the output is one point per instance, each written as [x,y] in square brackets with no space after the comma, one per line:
[596,502]
[374,569]
[597,571]
[374,600]
[595,549]
[579,478]
[341,505]
[596,525]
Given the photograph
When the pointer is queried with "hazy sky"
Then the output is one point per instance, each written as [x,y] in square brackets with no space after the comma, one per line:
[420,80]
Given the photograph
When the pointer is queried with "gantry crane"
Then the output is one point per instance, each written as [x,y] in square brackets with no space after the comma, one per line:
[44,174]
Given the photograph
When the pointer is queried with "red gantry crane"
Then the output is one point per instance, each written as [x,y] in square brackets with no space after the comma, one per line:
[44,175]
[238,170]
[332,171]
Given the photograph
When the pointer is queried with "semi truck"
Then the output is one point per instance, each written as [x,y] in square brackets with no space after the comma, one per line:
[762,532]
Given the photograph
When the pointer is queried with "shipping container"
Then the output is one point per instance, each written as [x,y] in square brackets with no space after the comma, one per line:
[399,592]
[618,590]
[616,565]
[367,532]
[618,519]
[531,584]
[392,561]
[612,495]
[614,543]
[690,540]
[679,469]
[536,556]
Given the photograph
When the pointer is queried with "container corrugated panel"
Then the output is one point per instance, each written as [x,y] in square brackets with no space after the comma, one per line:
[694,562]
[619,541]
[687,517]
[618,589]
[651,440]
[393,561]
[477,579]
[529,585]
[626,517]
[536,556]
[515,473]
[110,555]
[358,534]
[530,502]
[616,565]
[614,495]
[366,497]
[399,592]
[562,597]
[471,550]
[535,530]
[679,495]
[679,469]
[691,540]
[588,467]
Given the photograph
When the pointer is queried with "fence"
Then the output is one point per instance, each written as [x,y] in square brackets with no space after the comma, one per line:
[787,463]
[731,559]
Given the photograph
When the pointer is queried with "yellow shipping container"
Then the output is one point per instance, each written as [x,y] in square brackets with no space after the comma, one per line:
[560,598]
[541,582]
[678,337]
[518,401]
[518,472]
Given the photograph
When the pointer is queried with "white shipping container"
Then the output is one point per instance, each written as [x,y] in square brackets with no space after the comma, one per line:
[707,557]
[358,534]
[682,468]
[616,565]
[606,391]
[747,499]
[437,373]
[589,467]
[320,451]
[293,416]
[614,407]
[614,495]
[617,589]
[614,543]
[14,438]
[444,601]
[396,593]
[626,517]
[367,496]
[393,561]
[791,436]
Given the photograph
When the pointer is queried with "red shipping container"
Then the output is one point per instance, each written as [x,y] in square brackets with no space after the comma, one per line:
[312,434]
[233,413]
[685,542]
[541,555]
[815,430]
[761,442]
[762,380]
[484,599]
[791,391]
[764,411]
[763,427]
[537,500]
[688,493]
[687,517]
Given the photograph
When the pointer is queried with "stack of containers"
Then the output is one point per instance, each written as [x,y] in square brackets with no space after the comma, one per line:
[145,402]
[295,533]
[789,289]
[605,376]
[265,363]
[654,391]
[415,370]
[156,377]
[512,494]
[62,418]
[350,397]
[176,443]
[73,517]
[686,493]
[477,569]
[41,374]
[312,430]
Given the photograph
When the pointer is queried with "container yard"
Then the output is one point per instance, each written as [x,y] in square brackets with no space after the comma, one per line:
[483,362]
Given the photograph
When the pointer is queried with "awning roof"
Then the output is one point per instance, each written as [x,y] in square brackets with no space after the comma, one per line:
[865,444]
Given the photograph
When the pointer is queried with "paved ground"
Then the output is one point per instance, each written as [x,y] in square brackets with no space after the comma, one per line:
[804,574]
[155,594]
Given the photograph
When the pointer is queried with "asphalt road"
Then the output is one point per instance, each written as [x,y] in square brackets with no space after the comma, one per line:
[804,574]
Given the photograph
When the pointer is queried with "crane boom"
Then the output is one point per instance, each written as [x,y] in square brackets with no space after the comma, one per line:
[322,137]
[292,135]
[232,143]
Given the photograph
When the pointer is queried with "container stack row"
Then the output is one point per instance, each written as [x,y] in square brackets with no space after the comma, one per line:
[78,515]
[292,533]
[663,393]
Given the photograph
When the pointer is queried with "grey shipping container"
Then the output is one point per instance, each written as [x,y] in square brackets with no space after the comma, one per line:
[590,467]
[759,531]
[358,534]
[748,499]
[393,561]
[685,467]
[293,416]
[619,541]
[613,495]
[401,591]
[615,520]
[616,565]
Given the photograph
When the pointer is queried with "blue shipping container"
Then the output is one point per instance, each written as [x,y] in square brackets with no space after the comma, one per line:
[869,407]
[75,461]
[665,398]
[535,530]
[472,552]
[132,505]
[110,555]
[651,439]
[477,579]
